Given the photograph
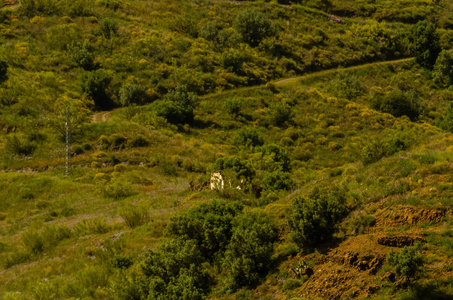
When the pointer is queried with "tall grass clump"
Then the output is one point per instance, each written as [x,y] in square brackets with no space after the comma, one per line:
[135,215]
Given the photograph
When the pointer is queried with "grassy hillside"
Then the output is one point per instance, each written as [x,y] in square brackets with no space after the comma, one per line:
[331,132]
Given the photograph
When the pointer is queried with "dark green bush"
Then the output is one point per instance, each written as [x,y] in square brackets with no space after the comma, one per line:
[279,113]
[248,255]
[241,169]
[443,69]
[248,137]
[399,103]
[32,8]
[254,26]
[82,54]
[347,86]
[232,60]
[95,84]
[208,31]
[277,180]
[133,93]
[19,144]
[447,122]
[175,271]
[425,43]
[210,225]
[108,28]
[315,219]
[3,71]
[177,107]
[121,262]
[137,141]
[407,262]
[233,106]
[274,158]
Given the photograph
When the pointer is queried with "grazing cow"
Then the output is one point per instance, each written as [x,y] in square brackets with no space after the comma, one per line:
[217,182]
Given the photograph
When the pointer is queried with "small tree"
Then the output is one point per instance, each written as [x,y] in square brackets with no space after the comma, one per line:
[447,121]
[178,106]
[314,219]
[133,93]
[233,106]
[108,28]
[425,43]
[407,262]
[95,85]
[248,255]
[82,54]
[443,69]
[254,26]
[279,113]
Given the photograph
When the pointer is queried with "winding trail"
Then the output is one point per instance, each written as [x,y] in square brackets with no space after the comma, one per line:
[104,116]
[338,70]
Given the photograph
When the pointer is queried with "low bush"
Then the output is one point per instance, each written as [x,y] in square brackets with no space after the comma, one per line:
[407,262]
[175,271]
[115,188]
[314,219]
[233,106]
[399,103]
[210,225]
[133,93]
[19,144]
[92,226]
[248,137]
[280,113]
[277,180]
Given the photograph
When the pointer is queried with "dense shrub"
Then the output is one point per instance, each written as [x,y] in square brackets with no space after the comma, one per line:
[277,180]
[314,219]
[347,86]
[210,225]
[443,69]
[175,271]
[248,255]
[82,54]
[447,122]
[232,60]
[108,28]
[399,103]
[241,169]
[232,106]
[407,262]
[133,93]
[3,71]
[95,84]
[254,26]
[274,158]
[279,113]
[177,107]
[248,137]
[32,8]
[425,43]
[19,144]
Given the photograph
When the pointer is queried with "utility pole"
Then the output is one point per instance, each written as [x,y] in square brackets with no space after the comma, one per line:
[68,141]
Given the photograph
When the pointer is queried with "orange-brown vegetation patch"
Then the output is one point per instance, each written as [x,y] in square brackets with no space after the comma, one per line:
[400,215]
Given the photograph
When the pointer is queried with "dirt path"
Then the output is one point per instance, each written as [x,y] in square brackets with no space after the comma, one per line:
[338,70]
[102,116]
